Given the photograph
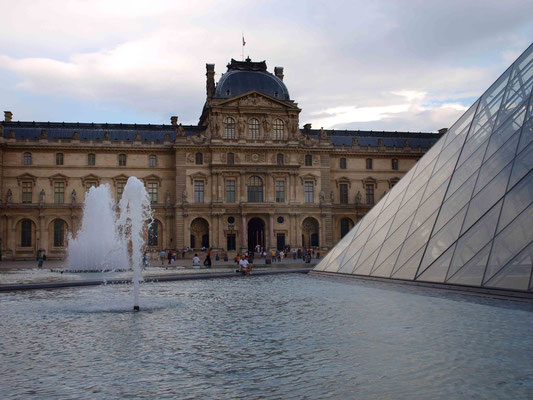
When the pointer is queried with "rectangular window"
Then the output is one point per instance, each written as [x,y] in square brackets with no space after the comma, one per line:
[152,191]
[120,189]
[368,163]
[309,195]
[343,193]
[230,191]
[369,194]
[230,242]
[27,190]
[280,191]
[91,159]
[59,192]
[199,191]
[394,163]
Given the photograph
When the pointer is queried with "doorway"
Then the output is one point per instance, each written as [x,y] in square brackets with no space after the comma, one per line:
[256,233]
[280,241]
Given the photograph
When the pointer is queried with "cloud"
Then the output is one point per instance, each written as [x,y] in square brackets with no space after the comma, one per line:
[414,66]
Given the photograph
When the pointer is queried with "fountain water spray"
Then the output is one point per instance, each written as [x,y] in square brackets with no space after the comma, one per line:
[107,243]
[135,210]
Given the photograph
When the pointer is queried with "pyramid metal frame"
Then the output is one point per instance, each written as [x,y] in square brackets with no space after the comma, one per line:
[463,215]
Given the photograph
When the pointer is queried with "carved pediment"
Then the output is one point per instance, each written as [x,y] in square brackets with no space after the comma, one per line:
[152,178]
[309,177]
[198,176]
[370,181]
[90,178]
[343,179]
[26,178]
[256,99]
[120,178]
[58,177]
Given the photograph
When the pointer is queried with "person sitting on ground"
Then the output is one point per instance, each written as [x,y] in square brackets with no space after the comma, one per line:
[244,266]
[196,261]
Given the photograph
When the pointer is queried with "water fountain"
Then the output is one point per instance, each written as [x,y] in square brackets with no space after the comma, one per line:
[106,242]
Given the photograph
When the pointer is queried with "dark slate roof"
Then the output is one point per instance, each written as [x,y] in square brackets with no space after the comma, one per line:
[86,131]
[371,138]
[245,76]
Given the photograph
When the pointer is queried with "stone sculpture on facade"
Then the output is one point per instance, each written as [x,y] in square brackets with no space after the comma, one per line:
[42,197]
[9,196]
[73,196]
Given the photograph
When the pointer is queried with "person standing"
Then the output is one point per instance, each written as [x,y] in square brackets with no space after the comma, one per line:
[41,259]
[207,261]
[169,257]
[162,257]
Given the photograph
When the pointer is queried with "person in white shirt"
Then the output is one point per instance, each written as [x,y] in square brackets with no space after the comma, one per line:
[196,261]
[244,266]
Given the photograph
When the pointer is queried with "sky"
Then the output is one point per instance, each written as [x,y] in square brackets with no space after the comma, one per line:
[409,65]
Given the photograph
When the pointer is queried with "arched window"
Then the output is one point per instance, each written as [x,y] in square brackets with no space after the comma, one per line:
[229,128]
[253,129]
[231,158]
[308,160]
[59,233]
[198,158]
[279,129]
[346,225]
[152,161]
[394,163]
[91,159]
[25,233]
[153,233]
[342,163]
[368,163]
[255,189]
[280,159]
[59,158]
[27,158]
[122,160]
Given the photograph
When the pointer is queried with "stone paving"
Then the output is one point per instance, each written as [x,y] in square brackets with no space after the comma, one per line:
[183,263]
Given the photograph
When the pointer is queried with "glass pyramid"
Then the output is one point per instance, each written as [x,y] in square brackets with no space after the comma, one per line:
[464,213]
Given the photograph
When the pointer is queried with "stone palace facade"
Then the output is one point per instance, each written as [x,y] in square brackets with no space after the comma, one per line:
[246,175]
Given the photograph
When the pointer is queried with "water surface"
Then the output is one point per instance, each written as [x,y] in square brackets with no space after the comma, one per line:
[272,337]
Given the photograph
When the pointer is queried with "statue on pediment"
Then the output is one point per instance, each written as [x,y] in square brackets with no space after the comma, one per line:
[180,131]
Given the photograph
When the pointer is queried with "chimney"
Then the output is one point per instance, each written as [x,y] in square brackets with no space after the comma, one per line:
[210,84]
[278,71]
[8,116]
[442,131]
[174,120]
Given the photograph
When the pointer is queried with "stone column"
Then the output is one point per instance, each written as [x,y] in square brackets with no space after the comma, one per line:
[216,228]
[214,181]
[244,234]
[271,231]
[243,187]
[294,183]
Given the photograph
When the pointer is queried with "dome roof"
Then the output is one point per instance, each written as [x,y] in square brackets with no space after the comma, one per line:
[245,76]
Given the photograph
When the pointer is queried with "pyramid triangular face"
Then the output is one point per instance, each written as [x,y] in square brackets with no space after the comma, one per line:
[463,214]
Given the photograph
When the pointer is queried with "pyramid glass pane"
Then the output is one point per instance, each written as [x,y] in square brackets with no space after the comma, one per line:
[463,214]
[437,271]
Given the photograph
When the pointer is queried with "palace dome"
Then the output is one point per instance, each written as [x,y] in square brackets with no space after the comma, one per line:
[246,76]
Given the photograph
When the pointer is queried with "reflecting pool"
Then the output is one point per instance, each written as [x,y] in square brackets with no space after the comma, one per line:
[272,337]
